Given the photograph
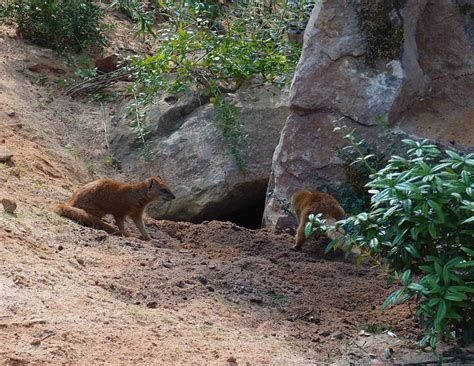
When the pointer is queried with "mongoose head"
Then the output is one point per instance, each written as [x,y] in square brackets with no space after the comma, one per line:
[157,188]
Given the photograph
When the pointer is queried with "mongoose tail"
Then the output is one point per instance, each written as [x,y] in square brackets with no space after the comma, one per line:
[82,217]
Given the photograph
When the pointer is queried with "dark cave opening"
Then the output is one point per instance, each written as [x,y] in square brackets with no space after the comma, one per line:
[249,216]
[250,213]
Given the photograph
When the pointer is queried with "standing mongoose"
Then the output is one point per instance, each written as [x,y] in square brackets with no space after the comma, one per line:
[307,202]
[90,203]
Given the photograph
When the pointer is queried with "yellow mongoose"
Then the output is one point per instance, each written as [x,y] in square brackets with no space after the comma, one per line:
[90,203]
[305,203]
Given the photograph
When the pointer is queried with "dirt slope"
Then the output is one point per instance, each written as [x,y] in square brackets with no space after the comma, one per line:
[212,293]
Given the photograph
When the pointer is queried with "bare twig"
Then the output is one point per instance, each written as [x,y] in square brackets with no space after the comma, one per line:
[104,123]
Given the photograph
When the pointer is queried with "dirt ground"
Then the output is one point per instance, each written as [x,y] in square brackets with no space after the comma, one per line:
[212,293]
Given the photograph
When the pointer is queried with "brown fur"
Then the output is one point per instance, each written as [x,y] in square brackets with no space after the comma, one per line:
[90,203]
[305,203]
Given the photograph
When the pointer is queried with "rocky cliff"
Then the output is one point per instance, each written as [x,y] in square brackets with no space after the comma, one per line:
[409,63]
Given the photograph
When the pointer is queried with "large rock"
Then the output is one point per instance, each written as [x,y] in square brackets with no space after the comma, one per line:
[428,91]
[191,154]
[5,154]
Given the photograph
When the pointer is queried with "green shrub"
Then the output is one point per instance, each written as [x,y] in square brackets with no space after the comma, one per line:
[64,25]
[420,229]
[211,50]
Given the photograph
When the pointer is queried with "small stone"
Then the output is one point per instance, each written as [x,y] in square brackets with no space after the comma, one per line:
[9,206]
[60,247]
[10,113]
[5,154]
[337,335]
[107,64]
[296,290]
[203,280]
[212,266]
[80,261]
[210,288]
[256,300]
[101,237]
[152,305]
[325,334]
[232,361]
[171,99]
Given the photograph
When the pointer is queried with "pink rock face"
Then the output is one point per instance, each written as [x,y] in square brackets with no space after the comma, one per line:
[427,93]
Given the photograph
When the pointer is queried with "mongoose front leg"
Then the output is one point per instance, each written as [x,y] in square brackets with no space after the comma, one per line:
[120,220]
[141,226]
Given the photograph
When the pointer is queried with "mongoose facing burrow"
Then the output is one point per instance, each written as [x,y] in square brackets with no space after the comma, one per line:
[90,203]
[305,203]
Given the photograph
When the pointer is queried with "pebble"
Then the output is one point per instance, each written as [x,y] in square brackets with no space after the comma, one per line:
[152,305]
[256,300]
[167,265]
[203,280]
[231,361]
[5,154]
[337,335]
[9,205]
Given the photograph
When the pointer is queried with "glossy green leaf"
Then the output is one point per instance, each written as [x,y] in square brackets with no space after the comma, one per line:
[440,314]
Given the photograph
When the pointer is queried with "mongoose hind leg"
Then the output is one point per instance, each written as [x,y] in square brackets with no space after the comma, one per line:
[300,237]
[120,221]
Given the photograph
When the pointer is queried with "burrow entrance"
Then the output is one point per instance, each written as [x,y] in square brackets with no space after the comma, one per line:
[249,216]
[245,205]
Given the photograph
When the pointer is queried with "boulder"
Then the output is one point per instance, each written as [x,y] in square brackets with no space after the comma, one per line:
[189,151]
[425,89]
[9,205]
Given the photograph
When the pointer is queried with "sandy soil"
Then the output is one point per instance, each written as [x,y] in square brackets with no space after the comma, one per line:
[212,293]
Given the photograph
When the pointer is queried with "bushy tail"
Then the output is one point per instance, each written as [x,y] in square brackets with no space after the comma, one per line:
[82,217]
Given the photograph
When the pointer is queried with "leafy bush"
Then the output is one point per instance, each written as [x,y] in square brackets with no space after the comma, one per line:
[60,24]
[209,49]
[136,11]
[420,229]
